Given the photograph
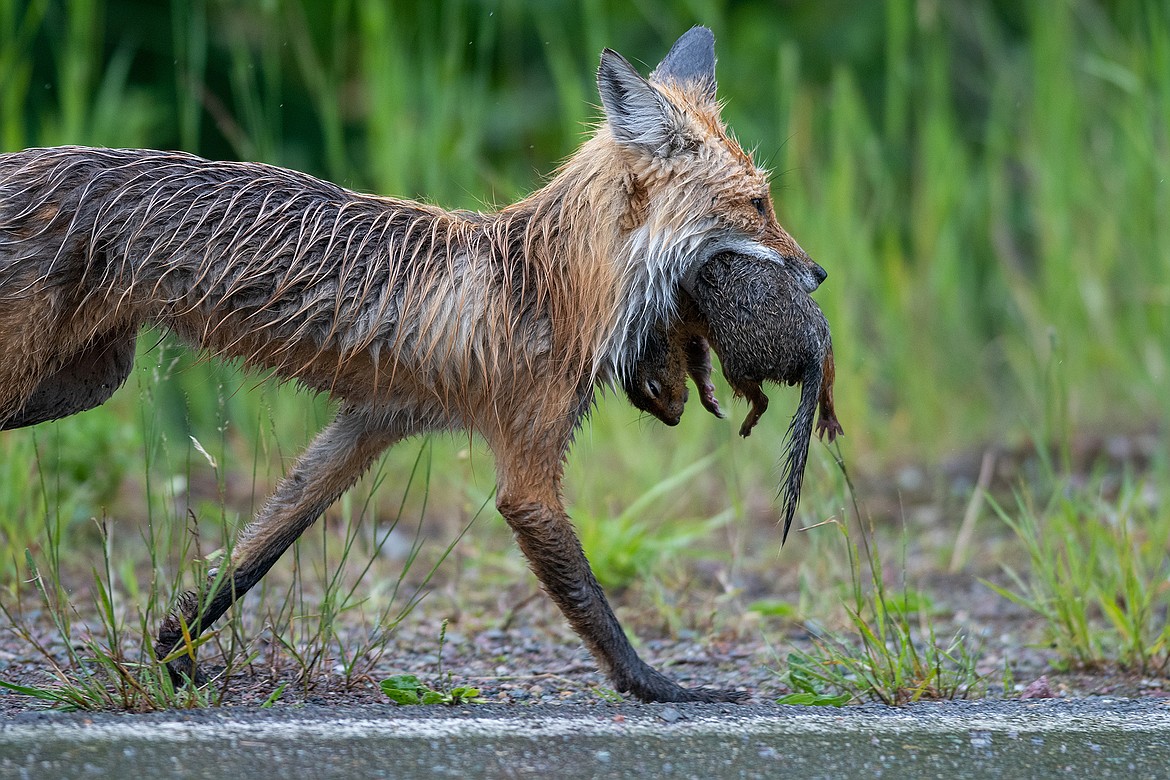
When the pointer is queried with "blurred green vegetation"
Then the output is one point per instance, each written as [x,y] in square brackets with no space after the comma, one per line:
[986,183]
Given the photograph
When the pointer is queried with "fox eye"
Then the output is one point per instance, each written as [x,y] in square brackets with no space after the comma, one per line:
[758,203]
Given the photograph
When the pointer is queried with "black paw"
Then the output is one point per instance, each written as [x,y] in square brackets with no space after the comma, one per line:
[650,685]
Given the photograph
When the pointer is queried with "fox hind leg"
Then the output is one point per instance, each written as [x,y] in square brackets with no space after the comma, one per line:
[339,455]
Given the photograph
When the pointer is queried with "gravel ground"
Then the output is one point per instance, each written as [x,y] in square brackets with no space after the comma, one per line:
[509,641]
[538,661]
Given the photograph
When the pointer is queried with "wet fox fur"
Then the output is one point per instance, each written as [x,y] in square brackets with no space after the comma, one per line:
[415,318]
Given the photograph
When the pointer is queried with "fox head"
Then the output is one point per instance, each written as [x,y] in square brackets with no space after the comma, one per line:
[694,192]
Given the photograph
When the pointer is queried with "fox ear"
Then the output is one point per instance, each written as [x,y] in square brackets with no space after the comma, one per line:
[639,115]
[690,62]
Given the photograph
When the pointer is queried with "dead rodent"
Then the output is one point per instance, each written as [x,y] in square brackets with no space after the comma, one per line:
[658,385]
[765,327]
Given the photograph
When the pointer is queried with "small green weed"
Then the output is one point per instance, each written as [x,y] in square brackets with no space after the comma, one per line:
[274,697]
[1098,574]
[807,686]
[626,548]
[609,695]
[775,608]
[896,656]
[408,689]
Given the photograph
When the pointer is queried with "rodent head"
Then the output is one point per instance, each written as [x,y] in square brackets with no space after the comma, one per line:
[658,383]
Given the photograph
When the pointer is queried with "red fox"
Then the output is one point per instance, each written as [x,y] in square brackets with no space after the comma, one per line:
[414,318]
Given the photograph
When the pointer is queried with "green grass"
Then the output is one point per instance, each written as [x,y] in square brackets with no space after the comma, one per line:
[99,616]
[630,546]
[1098,574]
[987,186]
[891,652]
[988,196]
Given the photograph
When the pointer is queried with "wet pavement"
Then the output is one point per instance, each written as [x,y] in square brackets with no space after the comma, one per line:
[1017,739]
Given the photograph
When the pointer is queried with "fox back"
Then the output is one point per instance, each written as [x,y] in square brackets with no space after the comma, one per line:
[420,311]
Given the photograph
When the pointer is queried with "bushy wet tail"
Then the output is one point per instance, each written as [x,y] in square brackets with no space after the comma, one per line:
[797,440]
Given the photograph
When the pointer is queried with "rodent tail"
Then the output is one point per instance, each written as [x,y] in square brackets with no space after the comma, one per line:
[797,440]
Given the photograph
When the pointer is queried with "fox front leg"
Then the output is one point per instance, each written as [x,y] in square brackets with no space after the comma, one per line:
[532,507]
